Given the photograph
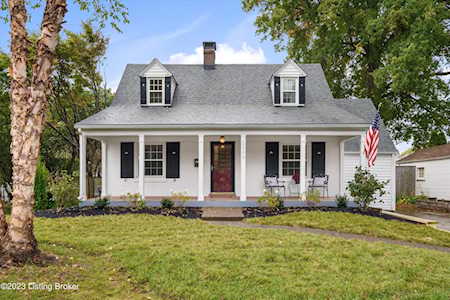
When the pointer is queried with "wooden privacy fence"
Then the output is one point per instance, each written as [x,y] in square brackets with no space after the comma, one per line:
[405,180]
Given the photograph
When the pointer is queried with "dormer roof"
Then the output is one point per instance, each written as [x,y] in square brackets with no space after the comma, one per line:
[155,69]
[290,68]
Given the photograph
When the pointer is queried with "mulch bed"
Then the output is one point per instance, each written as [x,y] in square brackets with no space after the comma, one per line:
[255,212]
[181,212]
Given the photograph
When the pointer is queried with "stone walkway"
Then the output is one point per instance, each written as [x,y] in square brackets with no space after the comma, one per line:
[349,236]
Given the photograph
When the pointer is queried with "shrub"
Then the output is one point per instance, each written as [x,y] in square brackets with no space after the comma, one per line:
[167,203]
[411,199]
[313,196]
[7,206]
[273,201]
[180,196]
[64,190]
[364,187]
[40,187]
[135,200]
[101,203]
[341,201]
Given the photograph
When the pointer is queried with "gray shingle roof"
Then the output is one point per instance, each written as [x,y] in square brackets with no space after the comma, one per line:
[229,95]
[359,107]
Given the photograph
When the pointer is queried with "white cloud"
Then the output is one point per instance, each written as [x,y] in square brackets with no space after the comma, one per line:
[225,55]
[403,146]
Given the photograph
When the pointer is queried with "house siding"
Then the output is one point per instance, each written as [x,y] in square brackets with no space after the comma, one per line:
[436,182]
[383,170]
[187,182]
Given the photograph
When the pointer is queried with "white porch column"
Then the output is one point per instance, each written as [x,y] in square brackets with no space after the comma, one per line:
[302,164]
[83,140]
[141,165]
[341,167]
[362,156]
[243,194]
[200,167]
[104,163]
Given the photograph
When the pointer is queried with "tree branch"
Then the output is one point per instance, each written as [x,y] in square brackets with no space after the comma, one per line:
[19,88]
[442,73]
[61,134]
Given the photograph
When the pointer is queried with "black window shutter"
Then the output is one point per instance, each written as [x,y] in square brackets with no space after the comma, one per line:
[168,90]
[126,160]
[143,90]
[301,90]
[173,160]
[272,158]
[318,159]
[276,84]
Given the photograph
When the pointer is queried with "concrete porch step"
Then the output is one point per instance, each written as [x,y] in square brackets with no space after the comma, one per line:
[220,195]
[222,214]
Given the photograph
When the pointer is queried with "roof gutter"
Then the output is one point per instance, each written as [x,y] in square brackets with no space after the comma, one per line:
[320,126]
[423,159]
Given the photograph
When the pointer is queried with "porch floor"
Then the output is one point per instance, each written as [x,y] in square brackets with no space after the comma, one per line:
[223,203]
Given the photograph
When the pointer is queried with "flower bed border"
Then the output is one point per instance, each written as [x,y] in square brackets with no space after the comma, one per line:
[255,212]
[85,211]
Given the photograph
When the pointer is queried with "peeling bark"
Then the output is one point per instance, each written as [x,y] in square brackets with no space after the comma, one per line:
[28,106]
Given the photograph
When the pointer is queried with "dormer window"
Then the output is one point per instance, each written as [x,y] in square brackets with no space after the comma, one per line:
[289,91]
[155,91]
[157,85]
[288,85]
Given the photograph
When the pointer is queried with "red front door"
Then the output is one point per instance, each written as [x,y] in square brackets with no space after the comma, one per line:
[222,167]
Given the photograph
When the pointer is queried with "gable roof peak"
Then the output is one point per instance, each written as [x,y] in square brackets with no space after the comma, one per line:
[155,68]
[290,67]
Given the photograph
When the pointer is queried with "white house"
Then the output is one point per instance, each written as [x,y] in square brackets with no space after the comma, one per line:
[432,171]
[216,130]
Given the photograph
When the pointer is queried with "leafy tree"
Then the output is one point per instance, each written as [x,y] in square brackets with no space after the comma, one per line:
[78,92]
[64,189]
[5,137]
[395,52]
[29,91]
[365,187]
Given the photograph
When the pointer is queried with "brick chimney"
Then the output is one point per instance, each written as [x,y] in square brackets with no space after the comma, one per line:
[209,55]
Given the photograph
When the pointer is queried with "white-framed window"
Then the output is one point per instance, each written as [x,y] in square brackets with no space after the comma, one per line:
[290,160]
[155,91]
[421,173]
[154,160]
[289,90]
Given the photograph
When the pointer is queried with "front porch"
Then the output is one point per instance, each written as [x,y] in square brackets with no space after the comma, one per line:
[289,202]
[207,165]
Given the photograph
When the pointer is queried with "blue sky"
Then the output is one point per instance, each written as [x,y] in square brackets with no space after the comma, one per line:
[158,29]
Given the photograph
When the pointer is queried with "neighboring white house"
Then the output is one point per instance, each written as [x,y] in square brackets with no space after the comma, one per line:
[432,171]
[217,130]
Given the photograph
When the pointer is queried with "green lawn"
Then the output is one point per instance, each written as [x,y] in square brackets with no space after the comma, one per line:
[353,223]
[132,256]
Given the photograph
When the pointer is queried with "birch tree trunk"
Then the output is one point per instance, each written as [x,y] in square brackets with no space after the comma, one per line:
[28,109]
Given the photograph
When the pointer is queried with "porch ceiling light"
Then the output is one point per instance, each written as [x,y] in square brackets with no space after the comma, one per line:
[222,139]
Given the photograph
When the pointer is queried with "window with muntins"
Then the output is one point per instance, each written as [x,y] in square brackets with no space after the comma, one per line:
[291,160]
[420,173]
[155,91]
[289,89]
[153,160]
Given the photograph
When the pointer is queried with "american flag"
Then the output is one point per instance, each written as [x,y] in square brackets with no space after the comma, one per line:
[372,139]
